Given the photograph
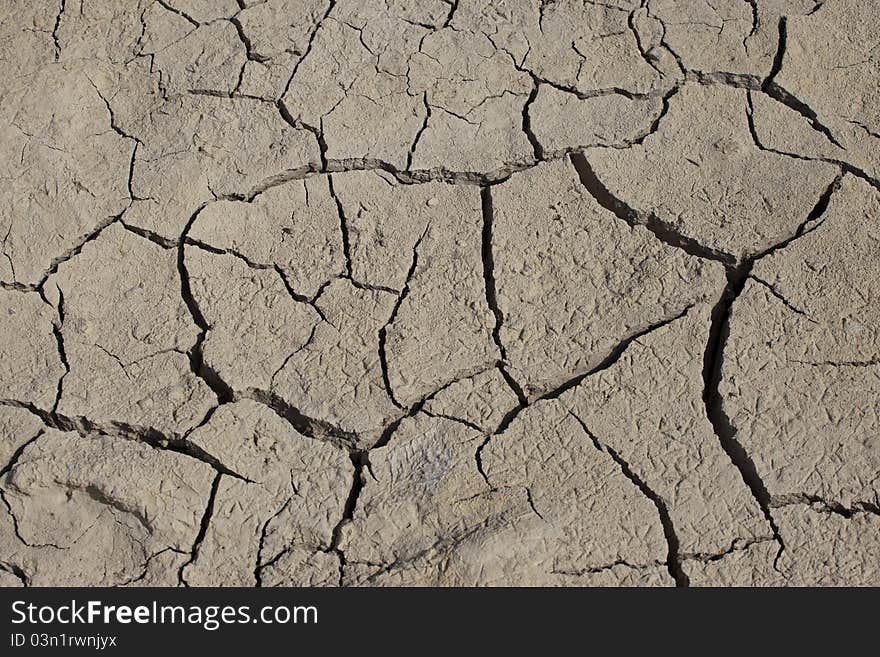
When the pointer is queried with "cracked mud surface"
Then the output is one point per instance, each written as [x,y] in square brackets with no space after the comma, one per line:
[447,292]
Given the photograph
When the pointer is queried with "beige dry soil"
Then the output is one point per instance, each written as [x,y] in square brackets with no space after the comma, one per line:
[439,292]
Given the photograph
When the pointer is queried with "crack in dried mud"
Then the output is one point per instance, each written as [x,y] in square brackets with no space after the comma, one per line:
[542,190]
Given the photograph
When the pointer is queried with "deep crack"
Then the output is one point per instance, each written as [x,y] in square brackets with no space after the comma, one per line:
[203,530]
[673,559]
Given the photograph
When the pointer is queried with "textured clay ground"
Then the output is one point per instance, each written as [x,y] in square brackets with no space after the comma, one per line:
[395,292]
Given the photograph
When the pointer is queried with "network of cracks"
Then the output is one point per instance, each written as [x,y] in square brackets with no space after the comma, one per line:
[442,293]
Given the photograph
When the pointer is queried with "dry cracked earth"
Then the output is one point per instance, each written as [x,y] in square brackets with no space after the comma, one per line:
[432,292]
